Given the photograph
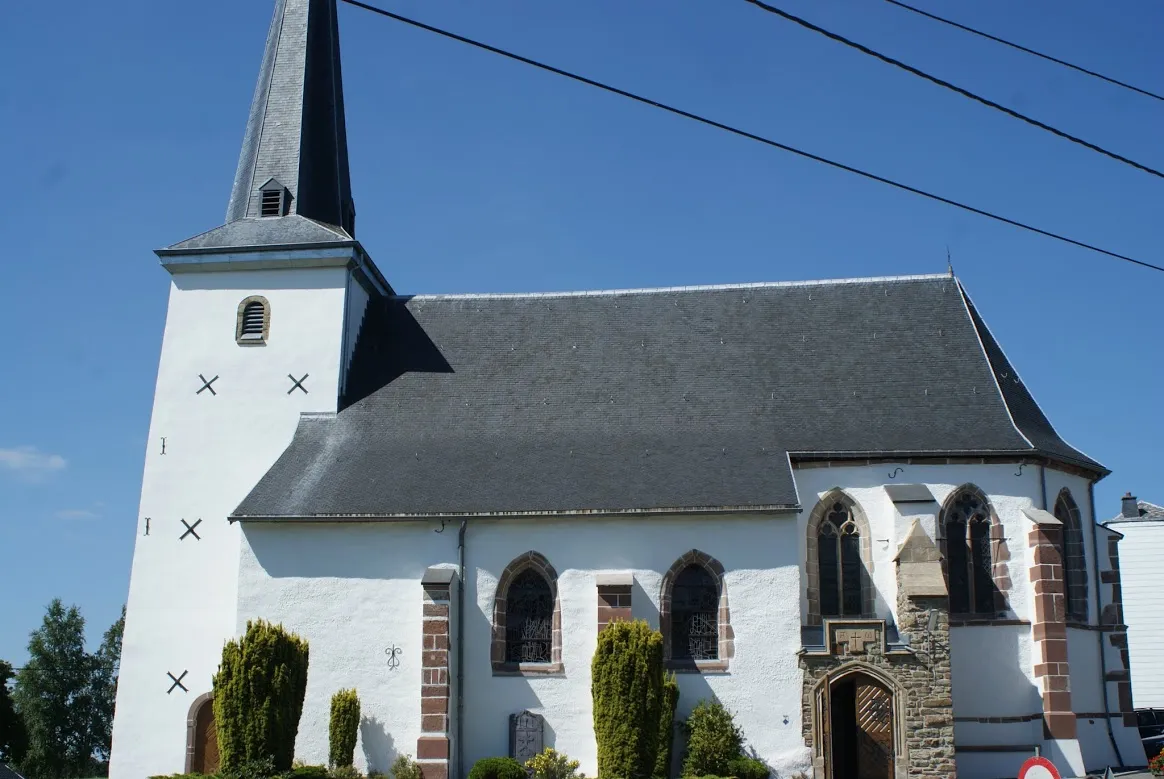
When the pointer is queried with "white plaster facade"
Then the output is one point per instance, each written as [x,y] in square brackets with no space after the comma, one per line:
[183,592]
[352,589]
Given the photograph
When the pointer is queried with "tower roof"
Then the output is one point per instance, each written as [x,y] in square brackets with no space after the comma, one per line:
[293,184]
[296,133]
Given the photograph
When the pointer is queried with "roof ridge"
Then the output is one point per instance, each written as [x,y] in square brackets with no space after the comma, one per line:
[688,288]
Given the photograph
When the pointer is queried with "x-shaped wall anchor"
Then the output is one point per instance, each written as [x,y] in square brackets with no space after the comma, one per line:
[297,383]
[177,682]
[190,530]
[206,384]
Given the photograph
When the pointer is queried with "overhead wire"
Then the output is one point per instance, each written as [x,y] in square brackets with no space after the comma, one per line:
[952,87]
[745,134]
[1027,50]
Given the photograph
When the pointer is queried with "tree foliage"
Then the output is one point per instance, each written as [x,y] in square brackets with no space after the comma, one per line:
[343,727]
[13,738]
[627,687]
[258,696]
[55,697]
[106,667]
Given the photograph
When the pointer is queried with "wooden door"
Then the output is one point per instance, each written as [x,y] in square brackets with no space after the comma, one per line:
[874,730]
[205,741]
[825,721]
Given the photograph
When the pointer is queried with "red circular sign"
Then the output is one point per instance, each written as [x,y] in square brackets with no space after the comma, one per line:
[1038,768]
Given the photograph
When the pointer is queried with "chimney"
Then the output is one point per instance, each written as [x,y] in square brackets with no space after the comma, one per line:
[1131,507]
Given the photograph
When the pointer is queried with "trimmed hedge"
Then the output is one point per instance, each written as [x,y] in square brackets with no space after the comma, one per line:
[343,728]
[748,768]
[627,686]
[666,725]
[258,697]
[497,768]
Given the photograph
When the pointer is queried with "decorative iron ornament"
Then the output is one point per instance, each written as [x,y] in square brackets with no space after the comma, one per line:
[177,682]
[206,385]
[393,653]
[529,621]
[695,615]
[297,383]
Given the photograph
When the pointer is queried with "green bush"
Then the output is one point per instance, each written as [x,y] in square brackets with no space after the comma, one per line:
[713,741]
[666,725]
[627,687]
[308,772]
[263,768]
[497,768]
[258,699]
[182,776]
[345,772]
[343,728]
[748,768]
[551,764]
[405,768]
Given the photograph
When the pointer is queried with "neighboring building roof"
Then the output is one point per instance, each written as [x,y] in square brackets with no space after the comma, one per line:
[1147,512]
[669,399]
[8,772]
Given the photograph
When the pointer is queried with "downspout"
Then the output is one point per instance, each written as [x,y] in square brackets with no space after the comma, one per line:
[461,649]
[1043,483]
[1099,623]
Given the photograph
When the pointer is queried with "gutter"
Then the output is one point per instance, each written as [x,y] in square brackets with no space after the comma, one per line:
[1099,621]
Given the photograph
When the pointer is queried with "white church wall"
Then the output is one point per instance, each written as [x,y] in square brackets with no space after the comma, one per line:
[352,590]
[183,593]
[1001,654]
[760,560]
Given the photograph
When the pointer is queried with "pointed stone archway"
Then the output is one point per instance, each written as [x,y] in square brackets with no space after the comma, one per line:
[859,725]
[202,737]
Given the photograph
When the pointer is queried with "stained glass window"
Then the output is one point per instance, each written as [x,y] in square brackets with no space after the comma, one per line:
[529,619]
[969,563]
[695,615]
[839,563]
[1074,559]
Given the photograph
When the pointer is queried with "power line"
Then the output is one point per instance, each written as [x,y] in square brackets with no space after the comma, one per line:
[1022,48]
[953,87]
[744,133]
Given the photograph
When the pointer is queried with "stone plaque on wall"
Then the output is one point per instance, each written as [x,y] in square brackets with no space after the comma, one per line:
[525,735]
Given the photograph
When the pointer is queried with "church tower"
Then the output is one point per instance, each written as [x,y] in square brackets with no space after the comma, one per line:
[263,316]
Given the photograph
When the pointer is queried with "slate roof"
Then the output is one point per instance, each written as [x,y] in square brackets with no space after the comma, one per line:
[8,772]
[1148,512]
[296,133]
[651,400]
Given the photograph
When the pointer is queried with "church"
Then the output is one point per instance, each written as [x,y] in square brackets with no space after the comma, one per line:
[837,500]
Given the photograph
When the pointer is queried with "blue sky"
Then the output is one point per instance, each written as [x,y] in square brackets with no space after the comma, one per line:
[121,124]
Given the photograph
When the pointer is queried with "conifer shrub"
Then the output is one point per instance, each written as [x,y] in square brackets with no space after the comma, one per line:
[308,772]
[666,726]
[627,687]
[258,699]
[713,741]
[497,768]
[343,728]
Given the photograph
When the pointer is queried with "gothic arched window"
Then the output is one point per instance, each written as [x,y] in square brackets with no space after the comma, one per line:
[529,619]
[966,526]
[839,561]
[1074,557]
[695,615]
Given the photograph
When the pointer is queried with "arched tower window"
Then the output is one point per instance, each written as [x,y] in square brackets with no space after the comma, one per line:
[253,324]
[694,616]
[1074,557]
[967,537]
[527,621]
[839,564]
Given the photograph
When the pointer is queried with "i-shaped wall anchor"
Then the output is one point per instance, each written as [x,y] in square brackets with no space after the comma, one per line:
[163,445]
[147,519]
